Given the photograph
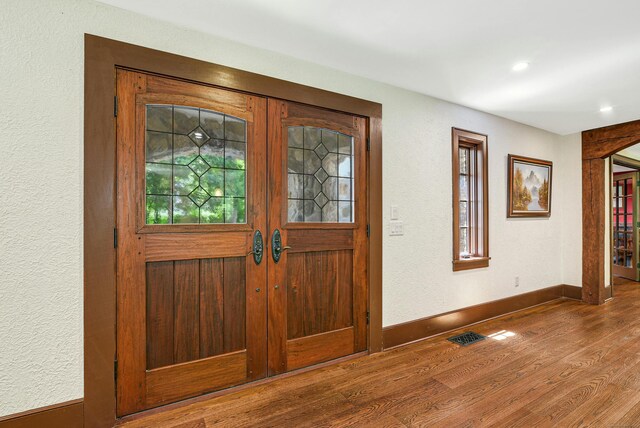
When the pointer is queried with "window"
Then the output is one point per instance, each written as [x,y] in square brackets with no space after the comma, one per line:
[194,166]
[320,173]
[470,200]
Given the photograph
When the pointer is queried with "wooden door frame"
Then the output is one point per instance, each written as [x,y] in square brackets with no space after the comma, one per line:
[597,145]
[102,56]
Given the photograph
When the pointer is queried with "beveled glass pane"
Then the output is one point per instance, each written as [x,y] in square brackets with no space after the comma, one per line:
[234,183]
[344,189]
[296,136]
[185,180]
[185,119]
[213,153]
[199,166]
[234,129]
[199,196]
[158,209]
[312,137]
[330,164]
[464,188]
[295,186]
[345,212]
[326,161]
[212,123]
[311,162]
[330,140]
[198,136]
[464,215]
[213,182]
[235,154]
[312,212]
[330,188]
[159,118]
[184,150]
[158,147]
[330,212]
[296,210]
[321,151]
[345,144]
[295,161]
[464,241]
[158,179]
[464,160]
[234,211]
[321,200]
[212,211]
[184,210]
[311,187]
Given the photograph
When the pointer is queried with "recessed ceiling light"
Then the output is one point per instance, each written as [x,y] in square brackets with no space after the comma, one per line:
[521,66]
[605,109]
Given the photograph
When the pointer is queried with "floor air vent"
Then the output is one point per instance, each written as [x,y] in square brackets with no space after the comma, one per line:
[466,338]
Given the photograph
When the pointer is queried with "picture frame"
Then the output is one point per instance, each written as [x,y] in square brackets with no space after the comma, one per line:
[529,187]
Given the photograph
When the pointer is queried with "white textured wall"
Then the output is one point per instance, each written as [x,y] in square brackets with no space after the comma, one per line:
[569,207]
[41,64]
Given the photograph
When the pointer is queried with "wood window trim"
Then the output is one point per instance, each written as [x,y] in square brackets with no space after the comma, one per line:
[478,142]
[102,57]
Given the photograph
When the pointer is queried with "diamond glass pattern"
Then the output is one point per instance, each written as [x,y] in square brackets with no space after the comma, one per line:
[193,172]
[198,136]
[199,166]
[320,175]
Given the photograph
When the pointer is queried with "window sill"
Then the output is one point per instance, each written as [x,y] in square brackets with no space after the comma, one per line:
[471,263]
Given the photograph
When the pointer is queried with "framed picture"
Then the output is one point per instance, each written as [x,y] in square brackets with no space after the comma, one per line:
[529,187]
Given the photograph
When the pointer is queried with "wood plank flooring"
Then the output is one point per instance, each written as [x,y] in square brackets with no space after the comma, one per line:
[561,364]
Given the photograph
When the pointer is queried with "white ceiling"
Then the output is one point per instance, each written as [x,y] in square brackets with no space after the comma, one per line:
[584,54]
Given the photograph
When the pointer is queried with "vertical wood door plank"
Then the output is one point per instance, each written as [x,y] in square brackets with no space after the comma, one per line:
[234,304]
[329,291]
[186,309]
[159,314]
[344,290]
[211,307]
[312,291]
[295,295]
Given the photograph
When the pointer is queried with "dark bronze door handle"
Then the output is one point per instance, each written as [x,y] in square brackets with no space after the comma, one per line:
[258,247]
[276,246]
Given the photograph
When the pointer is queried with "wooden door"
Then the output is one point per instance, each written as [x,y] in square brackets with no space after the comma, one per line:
[317,196]
[624,203]
[191,300]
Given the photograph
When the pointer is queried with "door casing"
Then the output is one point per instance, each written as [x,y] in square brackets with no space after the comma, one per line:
[102,56]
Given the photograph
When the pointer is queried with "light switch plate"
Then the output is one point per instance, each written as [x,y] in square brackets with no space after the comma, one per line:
[396,228]
[394,212]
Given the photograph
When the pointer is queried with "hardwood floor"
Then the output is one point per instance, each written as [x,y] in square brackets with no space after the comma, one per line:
[561,364]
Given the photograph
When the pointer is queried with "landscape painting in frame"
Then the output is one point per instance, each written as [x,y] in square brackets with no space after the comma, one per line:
[529,187]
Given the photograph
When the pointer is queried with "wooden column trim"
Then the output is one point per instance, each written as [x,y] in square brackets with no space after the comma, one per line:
[593,217]
[598,144]
[102,56]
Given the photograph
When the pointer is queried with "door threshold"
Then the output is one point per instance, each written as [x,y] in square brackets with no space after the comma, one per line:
[234,389]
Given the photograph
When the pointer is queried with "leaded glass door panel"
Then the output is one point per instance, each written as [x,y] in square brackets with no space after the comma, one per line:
[624,224]
[318,220]
[191,194]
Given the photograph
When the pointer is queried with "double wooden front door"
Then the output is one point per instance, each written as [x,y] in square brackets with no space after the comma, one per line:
[241,238]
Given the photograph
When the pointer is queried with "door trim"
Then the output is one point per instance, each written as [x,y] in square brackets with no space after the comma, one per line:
[102,56]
